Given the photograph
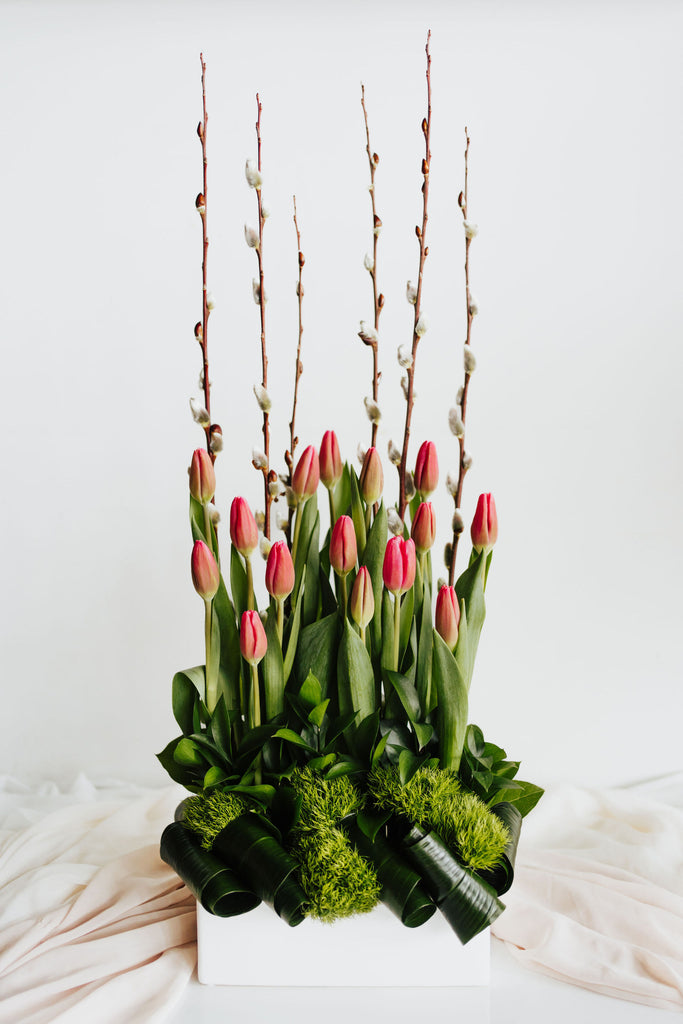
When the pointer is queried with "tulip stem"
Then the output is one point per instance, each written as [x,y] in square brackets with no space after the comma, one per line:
[280,618]
[368,518]
[297,529]
[255,715]
[333,517]
[211,677]
[250,583]
[397,628]
[344,594]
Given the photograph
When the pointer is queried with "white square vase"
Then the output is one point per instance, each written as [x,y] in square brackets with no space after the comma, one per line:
[372,950]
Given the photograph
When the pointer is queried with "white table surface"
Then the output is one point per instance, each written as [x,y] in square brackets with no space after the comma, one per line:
[515,996]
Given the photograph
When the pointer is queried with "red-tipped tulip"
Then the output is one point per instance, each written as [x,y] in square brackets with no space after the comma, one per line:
[423,529]
[253,643]
[485,523]
[362,601]
[447,615]
[279,571]
[306,476]
[205,575]
[202,477]
[426,469]
[371,477]
[330,459]
[343,547]
[398,570]
[243,528]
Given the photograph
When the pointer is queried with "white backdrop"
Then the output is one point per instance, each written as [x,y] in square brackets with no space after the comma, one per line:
[574,422]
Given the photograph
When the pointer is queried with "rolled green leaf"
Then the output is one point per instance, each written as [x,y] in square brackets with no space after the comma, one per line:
[251,846]
[502,876]
[402,889]
[218,889]
[468,903]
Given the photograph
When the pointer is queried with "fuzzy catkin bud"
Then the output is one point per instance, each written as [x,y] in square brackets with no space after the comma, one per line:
[459,395]
[405,387]
[263,398]
[273,488]
[421,325]
[265,210]
[452,484]
[410,487]
[200,204]
[256,291]
[210,301]
[458,523]
[260,518]
[258,459]
[455,422]
[411,293]
[378,226]
[214,514]
[282,522]
[466,461]
[471,230]
[251,236]
[264,547]
[394,522]
[469,360]
[473,305]
[252,174]
[404,356]
[290,497]
[360,454]
[448,555]
[368,262]
[394,454]
[373,410]
[367,334]
[199,414]
[216,442]
[199,333]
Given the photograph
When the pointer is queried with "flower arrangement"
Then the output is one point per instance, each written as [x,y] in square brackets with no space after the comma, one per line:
[325,739]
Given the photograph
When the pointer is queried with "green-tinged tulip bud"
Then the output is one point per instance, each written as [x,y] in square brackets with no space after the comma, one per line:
[426,469]
[202,477]
[243,529]
[343,546]
[279,571]
[423,529]
[398,570]
[484,529]
[306,476]
[253,642]
[331,467]
[205,575]
[447,615]
[362,601]
[371,477]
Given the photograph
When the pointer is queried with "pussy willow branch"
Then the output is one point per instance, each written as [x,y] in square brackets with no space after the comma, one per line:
[201,132]
[378,299]
[298,370]
[421,233]
[264,358]
[462,202]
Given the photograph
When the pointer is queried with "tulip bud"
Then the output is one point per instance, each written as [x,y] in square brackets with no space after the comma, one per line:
[280,571]
[252,174]
[398,570]
[469,360]
[423,529]
[253,642]
[330,459]
[243,528]
[447,615]
[411,293]
[205,575]
[426,469]
[202,477]
[484,530]
[306,476]
[362,600]
[199,414]
[343,547]
[394,522]
[373,410]
[251,236]
[394,454]
[371,477]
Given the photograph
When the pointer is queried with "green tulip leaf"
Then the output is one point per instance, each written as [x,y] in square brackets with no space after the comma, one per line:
[470,589]
[238,583]
[293,639]
[357,511]
[188,777]
[317,652]
[355,678]
[272,668]
[186,690]
[217,888]
[451,693]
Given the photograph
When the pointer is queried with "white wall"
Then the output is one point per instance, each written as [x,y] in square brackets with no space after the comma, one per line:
[575,424]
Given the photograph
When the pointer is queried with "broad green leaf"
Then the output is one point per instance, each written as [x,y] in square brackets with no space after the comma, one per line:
[407,607]
[424,654]
[238,582]
[186,689]
[214,777]
[365,736]
[423,732]
[373,559]
[338,726]
[357,511]
[406,692]
[220,728]
[345,766]
[292,737]
[293,634]
[187,754]
[379,750]
[309,514]
[311,589]
[371,821]
[355,677]
[311,691]
[317,715]
[525,800]
[408,765]
[317,652]
[342,492]
[451,693]
[470,589]
[273,669]
[230,662]
[182,774]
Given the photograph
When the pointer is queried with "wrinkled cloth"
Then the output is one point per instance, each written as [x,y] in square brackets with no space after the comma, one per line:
[93,925]
[597,899]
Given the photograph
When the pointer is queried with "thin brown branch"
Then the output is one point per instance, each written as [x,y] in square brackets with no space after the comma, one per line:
[421,233]
[262,307]
[377,297]
[462,469]
[202,207]
[293,439]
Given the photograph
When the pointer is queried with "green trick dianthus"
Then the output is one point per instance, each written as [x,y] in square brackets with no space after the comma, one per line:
[207,815]
[433,799]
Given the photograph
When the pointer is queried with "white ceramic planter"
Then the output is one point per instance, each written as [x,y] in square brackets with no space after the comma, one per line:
[373,950]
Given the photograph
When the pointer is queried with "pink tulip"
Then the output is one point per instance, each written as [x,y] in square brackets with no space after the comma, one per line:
[423,529]
[279,571]
[306,476]
[362,601]
[484,529]
[426,469]
[253,642]
[243,528]
[205,575]
[330,459]
[447,615]
[343,547]
[398,570]
[371,477]
[202,477]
